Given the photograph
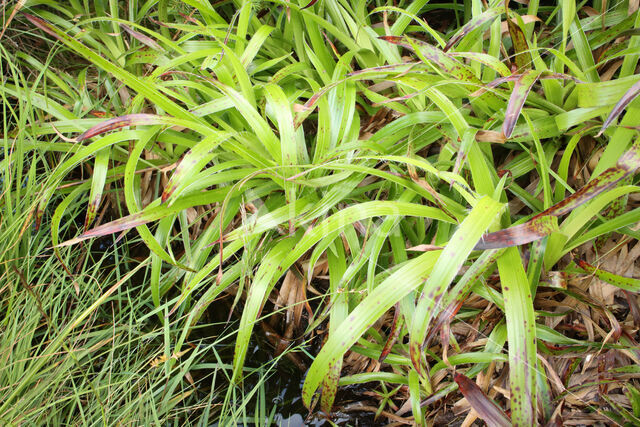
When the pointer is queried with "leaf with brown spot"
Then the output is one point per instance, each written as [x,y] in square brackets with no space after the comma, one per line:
[542,224]
[477,22]
[311,3]
[43,25]
[517,99]
[121,122]
[534,229]
[303,111]
[188,169]
[520,44]
[629,96]
[381,68]
[330,386]
[444,62]
[627,283]
[146,40]
[485,407]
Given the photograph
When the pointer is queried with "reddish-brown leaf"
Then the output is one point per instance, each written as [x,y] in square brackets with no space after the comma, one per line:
[146,40]
[486,409]
[542,224]
[444,318]
[520,234]
[483,18]
[517,99]
[311,3]
[42,24]
[394,333]
[116,226]
[629,96]
[120,122]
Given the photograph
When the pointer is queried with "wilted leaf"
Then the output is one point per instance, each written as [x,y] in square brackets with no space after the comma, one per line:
[42,24]
[535,229]
[490,136]
[394,333]
[527,19]
[149,214]
[486,409]
[311,3]
[16,8]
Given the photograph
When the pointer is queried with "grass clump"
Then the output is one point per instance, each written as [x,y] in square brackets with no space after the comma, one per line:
[427,201]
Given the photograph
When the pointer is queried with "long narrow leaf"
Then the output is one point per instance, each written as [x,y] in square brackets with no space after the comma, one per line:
[453,256]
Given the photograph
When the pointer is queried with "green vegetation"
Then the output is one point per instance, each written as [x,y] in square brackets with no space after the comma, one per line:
[426,201]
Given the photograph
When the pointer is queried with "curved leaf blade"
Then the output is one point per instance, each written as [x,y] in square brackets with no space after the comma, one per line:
[453,256]
[629,96]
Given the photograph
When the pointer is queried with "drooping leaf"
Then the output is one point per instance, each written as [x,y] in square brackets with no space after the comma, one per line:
[539,226]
